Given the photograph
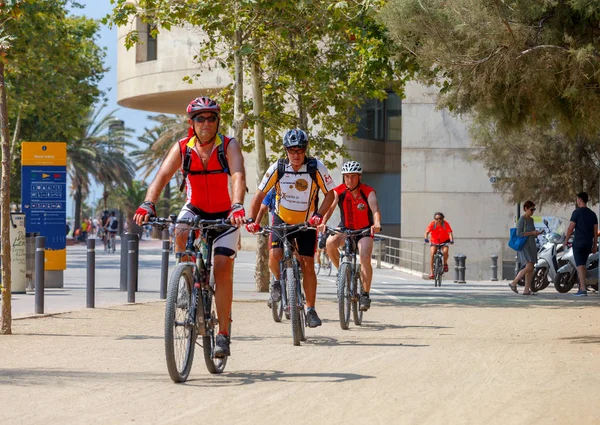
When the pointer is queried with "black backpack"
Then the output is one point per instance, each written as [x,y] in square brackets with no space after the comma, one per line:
[115,224]
[187,162]
[311,168]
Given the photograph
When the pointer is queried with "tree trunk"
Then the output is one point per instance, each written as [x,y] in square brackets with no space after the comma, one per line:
[15,138]
[302,115]
[78,199]
[261,272]
[6,326]
[238,105]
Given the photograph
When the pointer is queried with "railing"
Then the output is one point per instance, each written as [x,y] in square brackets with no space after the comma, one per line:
[405,253]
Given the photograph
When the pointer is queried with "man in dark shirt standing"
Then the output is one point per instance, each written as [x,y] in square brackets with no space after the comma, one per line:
[585,223]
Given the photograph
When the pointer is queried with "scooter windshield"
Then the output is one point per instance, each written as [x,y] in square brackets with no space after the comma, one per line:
[557,229]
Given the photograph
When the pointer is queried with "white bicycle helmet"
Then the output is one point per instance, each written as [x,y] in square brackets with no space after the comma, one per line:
[351,167]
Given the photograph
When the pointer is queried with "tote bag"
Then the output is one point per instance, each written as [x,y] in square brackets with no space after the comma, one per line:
[515,242]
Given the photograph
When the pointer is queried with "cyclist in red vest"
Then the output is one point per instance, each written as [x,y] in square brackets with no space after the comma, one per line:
[438,232]
[359,209]
[206,158]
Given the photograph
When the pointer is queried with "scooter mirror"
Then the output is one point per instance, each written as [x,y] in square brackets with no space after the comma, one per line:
[546,222]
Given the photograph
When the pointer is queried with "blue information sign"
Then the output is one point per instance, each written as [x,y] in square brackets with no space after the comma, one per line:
[44,197]
[44,203]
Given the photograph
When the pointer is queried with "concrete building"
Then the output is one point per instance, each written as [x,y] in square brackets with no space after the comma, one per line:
[416,157]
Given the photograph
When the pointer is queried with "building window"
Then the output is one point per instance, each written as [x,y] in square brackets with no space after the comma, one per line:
[151,45]
[380,120]
[147,48]
[370,124]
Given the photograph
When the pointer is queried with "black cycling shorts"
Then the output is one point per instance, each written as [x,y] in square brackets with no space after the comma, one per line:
[306,240]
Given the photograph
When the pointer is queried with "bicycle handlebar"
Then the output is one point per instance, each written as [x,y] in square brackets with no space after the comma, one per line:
[194,222]
[289,228]
[349,232]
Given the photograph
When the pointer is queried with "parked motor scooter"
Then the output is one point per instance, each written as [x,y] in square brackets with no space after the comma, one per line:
[550,255]
[567,274]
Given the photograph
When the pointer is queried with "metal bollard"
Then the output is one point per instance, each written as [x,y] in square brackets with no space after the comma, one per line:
[40,254]
[131,271]
[517,265]
[379,243]
[123,280]
[91,273]
[456,268]
[494,267]
[164,269]
[462,268]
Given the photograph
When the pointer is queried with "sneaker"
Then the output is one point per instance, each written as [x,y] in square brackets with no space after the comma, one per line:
[364,302]
[276,291]
[222,346]
[312,318]
[445,268]
[580,293]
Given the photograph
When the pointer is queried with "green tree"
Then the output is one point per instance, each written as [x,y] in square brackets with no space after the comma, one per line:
[97,155]
[544,163]
[514,62]
[8,13]
[128,198]
[48,103]
[289,47]
[156,143]
[527,74]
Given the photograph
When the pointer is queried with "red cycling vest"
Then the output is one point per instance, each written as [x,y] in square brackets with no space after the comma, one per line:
[206,188]
[356,213]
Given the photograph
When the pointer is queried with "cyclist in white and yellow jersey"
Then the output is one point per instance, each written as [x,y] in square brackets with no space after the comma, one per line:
[297,181]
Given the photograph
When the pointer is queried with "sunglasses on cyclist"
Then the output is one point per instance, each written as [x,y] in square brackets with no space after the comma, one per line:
[201,119]
[296,151]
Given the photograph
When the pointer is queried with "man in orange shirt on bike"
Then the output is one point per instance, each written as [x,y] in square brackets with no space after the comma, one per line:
[438,232]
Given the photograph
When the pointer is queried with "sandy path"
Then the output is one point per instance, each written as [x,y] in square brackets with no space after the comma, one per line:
[432,364]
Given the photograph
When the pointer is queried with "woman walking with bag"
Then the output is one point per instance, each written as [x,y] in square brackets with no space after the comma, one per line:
[527,255]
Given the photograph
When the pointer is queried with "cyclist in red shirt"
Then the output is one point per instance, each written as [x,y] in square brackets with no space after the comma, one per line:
[207,159]
[359,209]
[438,232]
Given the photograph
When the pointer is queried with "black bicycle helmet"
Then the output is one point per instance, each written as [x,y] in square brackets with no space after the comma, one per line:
[295,138]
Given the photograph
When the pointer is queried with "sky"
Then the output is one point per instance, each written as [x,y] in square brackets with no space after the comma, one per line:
[137,120]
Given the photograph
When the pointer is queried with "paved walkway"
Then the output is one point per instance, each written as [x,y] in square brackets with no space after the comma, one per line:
[461,354]
[390,285]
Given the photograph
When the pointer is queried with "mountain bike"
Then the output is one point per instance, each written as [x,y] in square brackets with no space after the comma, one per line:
[292,295]
[349,282]
[438,263]
[190,307]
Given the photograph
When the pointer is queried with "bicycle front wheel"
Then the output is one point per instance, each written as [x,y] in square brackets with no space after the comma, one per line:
[343,294]
[357,290]
[438,270]
[294,302]
[213,364]
[180,332]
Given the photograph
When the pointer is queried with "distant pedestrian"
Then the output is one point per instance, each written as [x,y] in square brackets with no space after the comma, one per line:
[585,224]
[528,255]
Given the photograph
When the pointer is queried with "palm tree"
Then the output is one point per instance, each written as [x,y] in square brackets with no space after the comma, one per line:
[97,155]
[129,197]
[157,142]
